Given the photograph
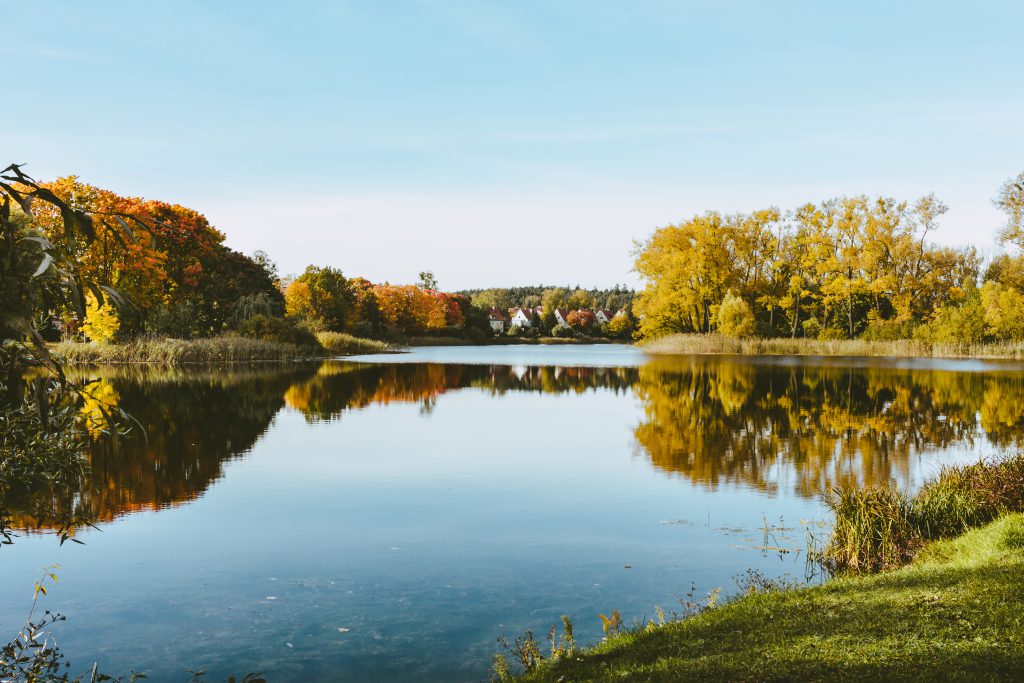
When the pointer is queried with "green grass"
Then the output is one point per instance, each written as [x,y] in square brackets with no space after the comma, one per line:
[342,344]
[166,351]
[955,613]
[906,348]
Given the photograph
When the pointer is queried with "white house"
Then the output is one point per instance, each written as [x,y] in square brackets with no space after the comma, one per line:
[603,316]
[521,317]
[497,320]
[562,316]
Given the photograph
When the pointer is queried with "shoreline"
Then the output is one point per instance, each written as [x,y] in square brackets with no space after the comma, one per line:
[952,613]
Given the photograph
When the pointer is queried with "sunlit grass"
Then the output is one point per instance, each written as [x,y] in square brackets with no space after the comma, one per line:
[955,613]
[342,344]
[167,351]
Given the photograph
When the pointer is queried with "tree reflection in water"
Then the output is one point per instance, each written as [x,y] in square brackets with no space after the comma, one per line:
[721,420]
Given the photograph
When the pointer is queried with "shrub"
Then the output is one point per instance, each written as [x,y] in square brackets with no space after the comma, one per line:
[887,330]
[832,334]
[812,328]
[279,330]
[177,320]
[562,331]
[620,327]
[734,318]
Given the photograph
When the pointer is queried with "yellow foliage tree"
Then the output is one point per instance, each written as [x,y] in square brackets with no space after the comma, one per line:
[101,322]
[735,318]
[1004,310]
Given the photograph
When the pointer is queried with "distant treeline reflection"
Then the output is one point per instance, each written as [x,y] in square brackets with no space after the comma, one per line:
[797,427]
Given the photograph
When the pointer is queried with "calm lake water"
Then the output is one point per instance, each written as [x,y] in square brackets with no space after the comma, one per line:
[387,517]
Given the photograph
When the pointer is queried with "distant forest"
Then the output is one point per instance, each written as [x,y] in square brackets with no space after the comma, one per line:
[503,298]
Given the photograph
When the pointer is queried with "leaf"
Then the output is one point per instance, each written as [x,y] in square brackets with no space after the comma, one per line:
[44,265]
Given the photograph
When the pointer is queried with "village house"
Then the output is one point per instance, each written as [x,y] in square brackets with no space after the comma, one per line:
[521,317]
[497,320]
[562,316]
[603,316]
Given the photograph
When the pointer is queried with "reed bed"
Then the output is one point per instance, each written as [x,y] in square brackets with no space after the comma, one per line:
[878,528]
[342,344]
[904,348]
[166,351]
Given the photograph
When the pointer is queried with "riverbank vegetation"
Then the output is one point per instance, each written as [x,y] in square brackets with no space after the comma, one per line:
[953,614]
[715,343]
[842,269]
[907,602]
[171,351]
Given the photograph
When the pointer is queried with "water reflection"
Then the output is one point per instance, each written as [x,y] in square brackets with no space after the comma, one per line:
[720,420]
[800,426]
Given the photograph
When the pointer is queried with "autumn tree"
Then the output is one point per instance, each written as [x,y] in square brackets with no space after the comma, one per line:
[322,298]
[581,319]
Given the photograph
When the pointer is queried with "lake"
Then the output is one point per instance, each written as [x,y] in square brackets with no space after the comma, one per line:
[386,518]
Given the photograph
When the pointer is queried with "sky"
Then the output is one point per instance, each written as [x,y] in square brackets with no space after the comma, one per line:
[502,143]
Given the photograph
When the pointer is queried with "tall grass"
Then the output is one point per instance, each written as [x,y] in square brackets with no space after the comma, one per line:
[878,528]
[872,530]
[906,348]
[341,344]
[166,351]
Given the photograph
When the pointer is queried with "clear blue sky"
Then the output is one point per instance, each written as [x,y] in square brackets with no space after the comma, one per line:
[512,142]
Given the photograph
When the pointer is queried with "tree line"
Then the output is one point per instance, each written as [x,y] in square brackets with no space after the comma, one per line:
[842,268]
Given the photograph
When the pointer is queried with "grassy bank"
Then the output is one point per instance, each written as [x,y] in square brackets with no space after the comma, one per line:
[946,609]
[164,351]
[955,613]
[341,344]
[906,348]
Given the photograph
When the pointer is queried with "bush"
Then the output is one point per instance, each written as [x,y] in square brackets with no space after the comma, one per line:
[177,320]
[734,318]
[832,334]
[620,327]
[279,330]
[812,328]
[562,331]
[887,330]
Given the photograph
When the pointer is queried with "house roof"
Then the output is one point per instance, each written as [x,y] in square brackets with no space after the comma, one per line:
[495,314]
